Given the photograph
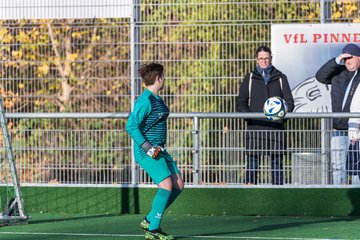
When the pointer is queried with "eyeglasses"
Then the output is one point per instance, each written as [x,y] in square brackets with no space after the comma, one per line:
[264,59]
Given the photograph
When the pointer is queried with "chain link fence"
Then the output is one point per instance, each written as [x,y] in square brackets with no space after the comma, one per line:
[82,56]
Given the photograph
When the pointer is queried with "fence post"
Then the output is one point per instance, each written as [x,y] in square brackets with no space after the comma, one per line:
[135,63]
[196,151]
[326,126]
[325,11]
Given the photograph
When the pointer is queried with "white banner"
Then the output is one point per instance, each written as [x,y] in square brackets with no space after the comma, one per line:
[299,50]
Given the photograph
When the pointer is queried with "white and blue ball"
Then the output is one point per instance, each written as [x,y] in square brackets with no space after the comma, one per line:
[275,108]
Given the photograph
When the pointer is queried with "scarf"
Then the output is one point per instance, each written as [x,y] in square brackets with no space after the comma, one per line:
[265,72]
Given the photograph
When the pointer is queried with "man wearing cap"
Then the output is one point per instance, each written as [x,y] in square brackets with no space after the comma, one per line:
[342,73]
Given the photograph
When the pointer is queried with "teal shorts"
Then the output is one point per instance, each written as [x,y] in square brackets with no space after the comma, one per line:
[159,168]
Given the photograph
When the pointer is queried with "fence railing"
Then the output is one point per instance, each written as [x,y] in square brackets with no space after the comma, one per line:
[210,149]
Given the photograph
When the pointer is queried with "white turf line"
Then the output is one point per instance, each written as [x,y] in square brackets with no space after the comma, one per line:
[188,236]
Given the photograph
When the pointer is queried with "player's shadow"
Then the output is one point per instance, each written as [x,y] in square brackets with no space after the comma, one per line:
[271,227]
[71,218]
[302,223]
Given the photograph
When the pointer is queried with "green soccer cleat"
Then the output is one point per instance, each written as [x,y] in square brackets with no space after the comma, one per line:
[145,224]
[157,234]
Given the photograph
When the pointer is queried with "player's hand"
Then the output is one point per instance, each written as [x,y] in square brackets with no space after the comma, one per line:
[343,57]
[353,141]
[153,151]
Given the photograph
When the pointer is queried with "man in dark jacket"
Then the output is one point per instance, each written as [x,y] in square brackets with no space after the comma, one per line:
[264,137]
[343,75]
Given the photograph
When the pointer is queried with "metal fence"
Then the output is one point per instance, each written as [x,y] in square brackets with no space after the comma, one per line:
[210,151]
[81,57]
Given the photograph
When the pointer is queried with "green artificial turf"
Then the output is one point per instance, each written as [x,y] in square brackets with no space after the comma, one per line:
[46,226]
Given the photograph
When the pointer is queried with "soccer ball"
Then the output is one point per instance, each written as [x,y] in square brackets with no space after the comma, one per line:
[275,108]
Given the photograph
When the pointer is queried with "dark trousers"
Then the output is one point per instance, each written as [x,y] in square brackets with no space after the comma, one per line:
[277,169]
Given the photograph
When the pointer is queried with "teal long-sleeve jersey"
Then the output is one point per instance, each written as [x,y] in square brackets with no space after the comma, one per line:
[148,122]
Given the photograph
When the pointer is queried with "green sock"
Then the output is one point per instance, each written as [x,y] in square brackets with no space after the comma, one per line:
[174,194]
[158,208]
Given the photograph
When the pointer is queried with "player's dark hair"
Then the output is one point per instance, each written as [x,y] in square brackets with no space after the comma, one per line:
[262,49]
[149,72]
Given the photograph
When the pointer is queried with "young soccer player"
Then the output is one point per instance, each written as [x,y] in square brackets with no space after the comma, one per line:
[147,125]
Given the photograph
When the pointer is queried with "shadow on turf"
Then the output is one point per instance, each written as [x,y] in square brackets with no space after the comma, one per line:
[71,218]
[354,197]
[269,227]
[297,224]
